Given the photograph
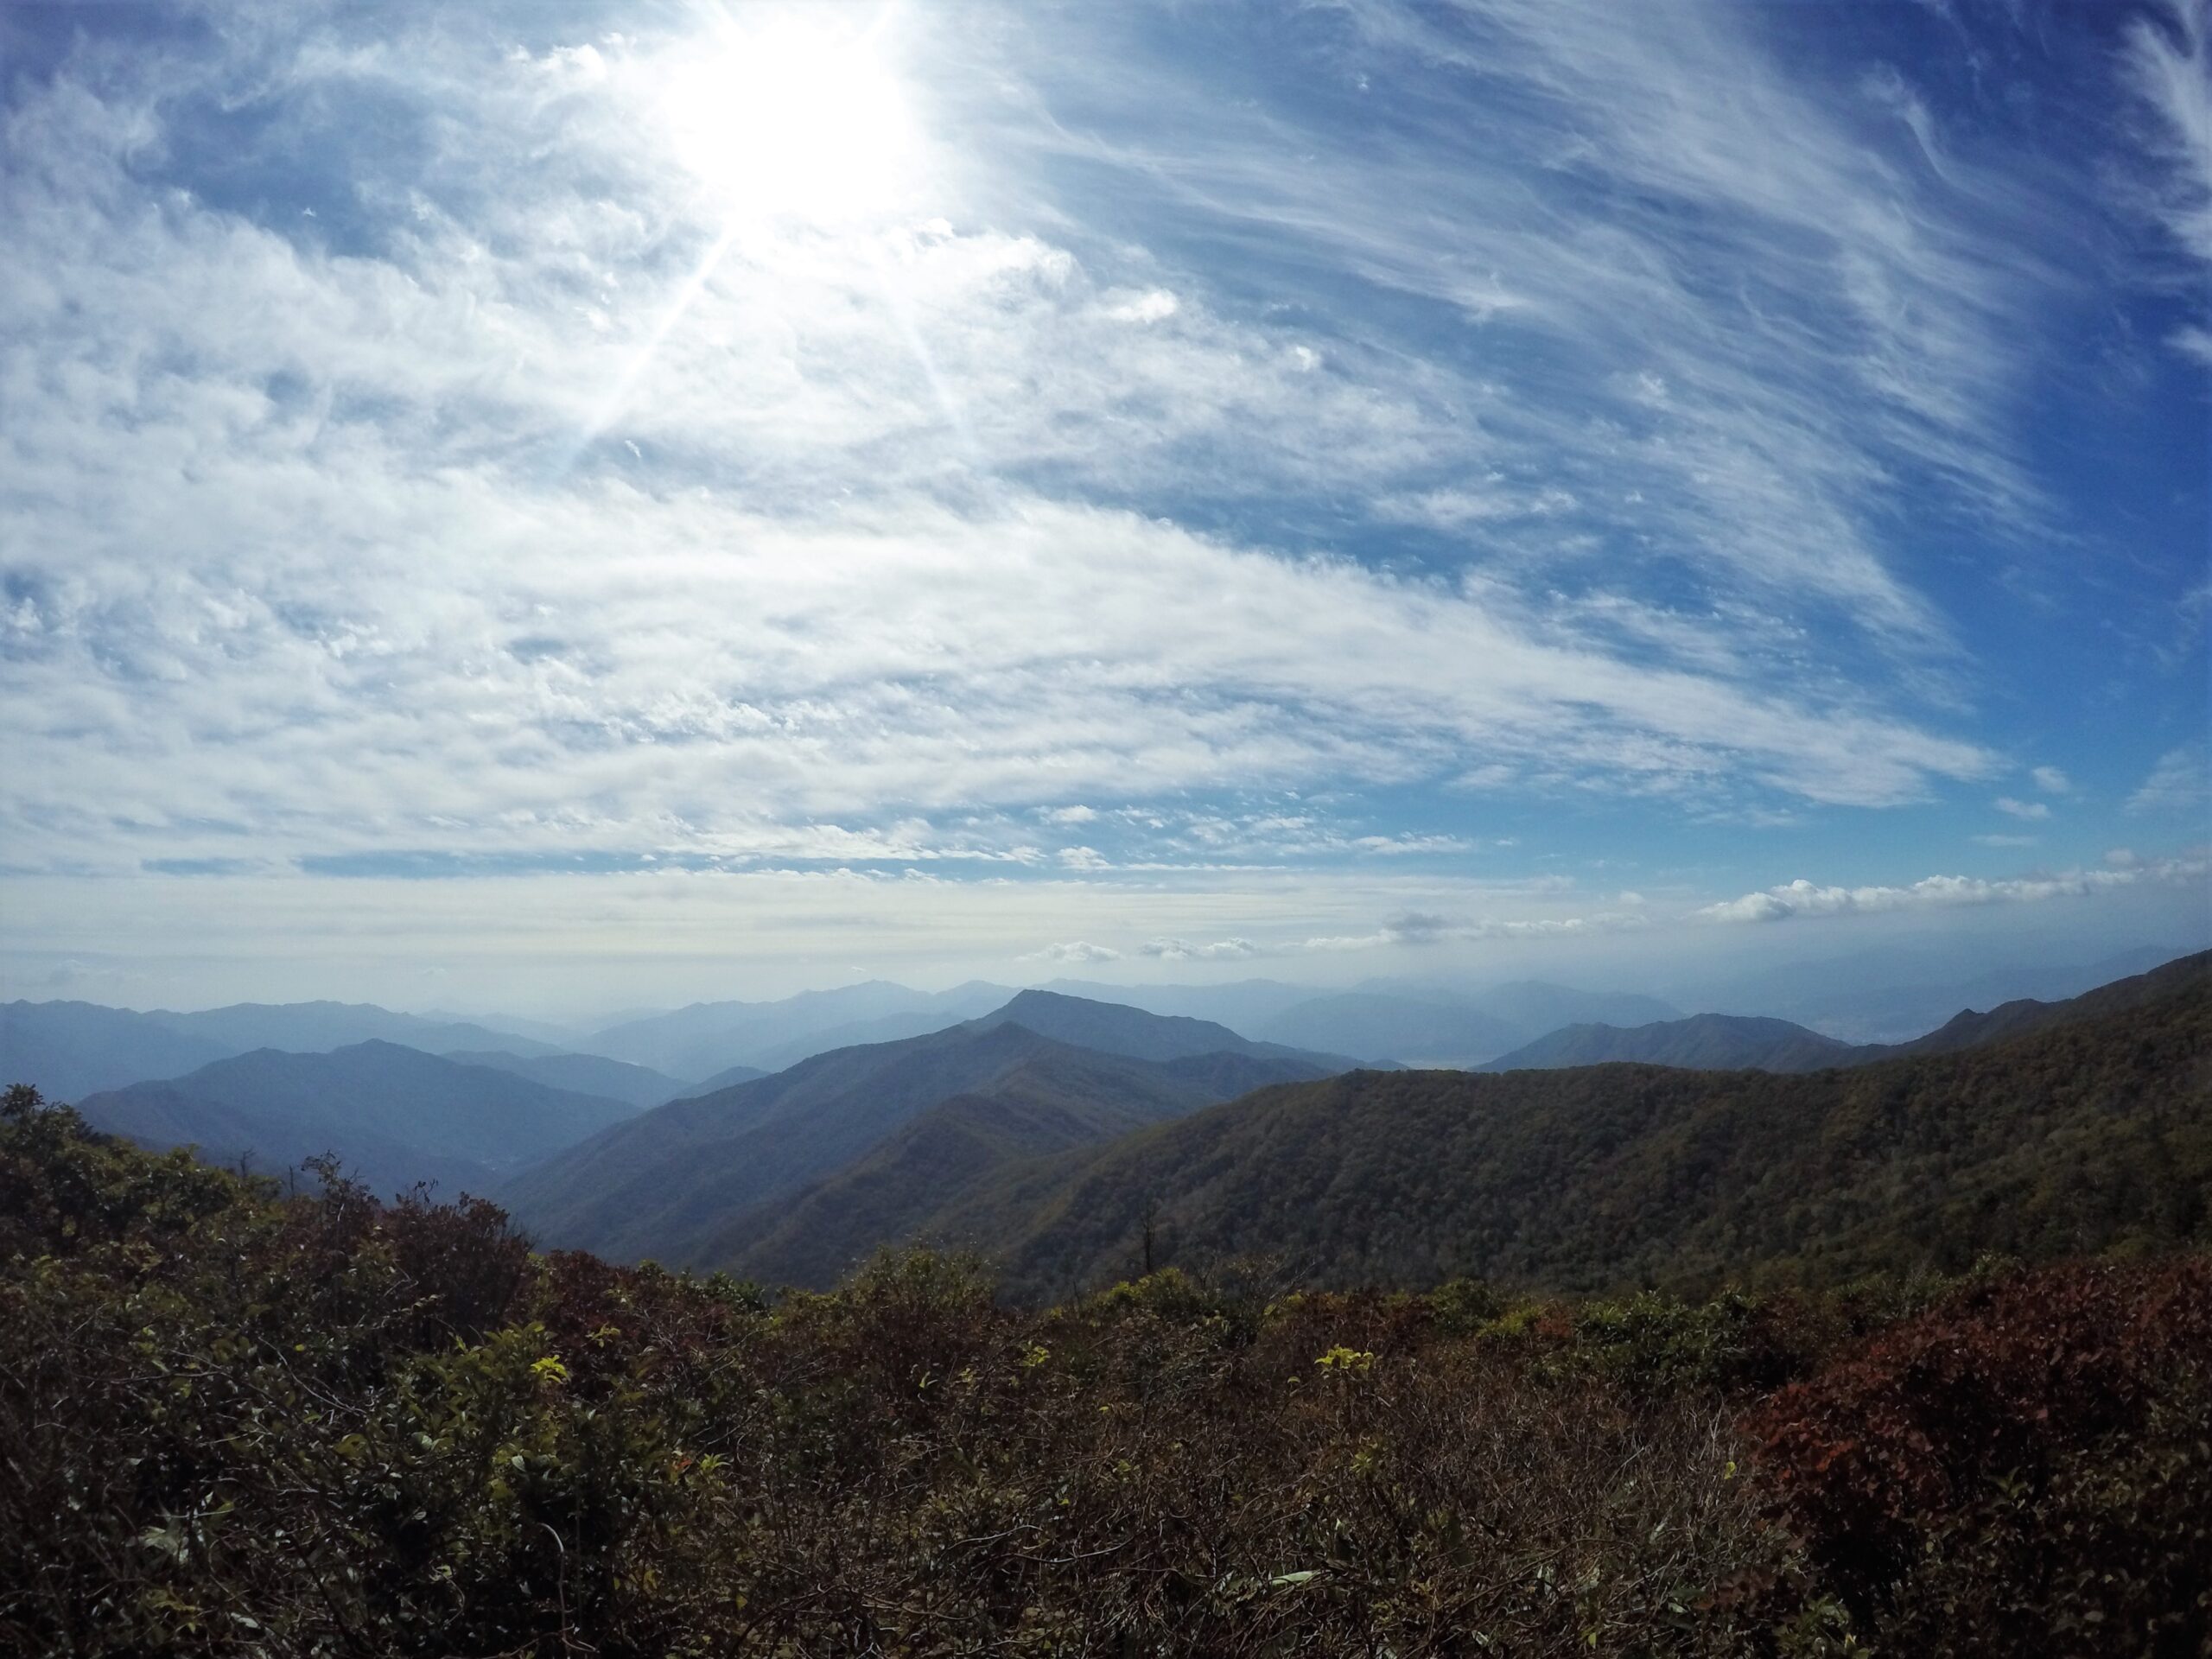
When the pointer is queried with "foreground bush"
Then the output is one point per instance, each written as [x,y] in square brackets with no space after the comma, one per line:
[236,1423]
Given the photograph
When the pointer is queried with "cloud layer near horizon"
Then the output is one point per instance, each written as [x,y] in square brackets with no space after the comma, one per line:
[419,458]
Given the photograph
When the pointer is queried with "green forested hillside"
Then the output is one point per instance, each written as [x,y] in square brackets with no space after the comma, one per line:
[2087,1136]
[665,1184]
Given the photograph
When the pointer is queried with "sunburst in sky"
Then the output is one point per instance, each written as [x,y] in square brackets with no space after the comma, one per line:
[610,502]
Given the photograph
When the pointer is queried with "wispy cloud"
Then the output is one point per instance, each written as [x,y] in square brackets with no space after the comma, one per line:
[430,460]
[2166,70]
[2180,782]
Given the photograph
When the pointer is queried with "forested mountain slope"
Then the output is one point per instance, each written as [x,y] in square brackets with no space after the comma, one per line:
[1046,1104]
[664,1184]
[392,1115]
[2091,1133]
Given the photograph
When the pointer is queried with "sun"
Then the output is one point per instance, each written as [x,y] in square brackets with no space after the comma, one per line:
[796,117]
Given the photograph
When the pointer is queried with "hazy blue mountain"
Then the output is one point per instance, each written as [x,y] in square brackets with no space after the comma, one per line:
[395,1114]
[663,1185]
[1423,1023]
[582,1074]
[1243,1005]
[1889,996]
[724,1079]
[1969,1029]
[1114,1028]
[1377,1026]
[1537,1006]
[561,1037]
[949,1009]
[69,1050]
[1739,1042]
[318,1027]
[1712,1042]
[707,1037]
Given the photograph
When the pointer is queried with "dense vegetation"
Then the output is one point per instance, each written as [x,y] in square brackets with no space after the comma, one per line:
[236,1423]
[2080,1138]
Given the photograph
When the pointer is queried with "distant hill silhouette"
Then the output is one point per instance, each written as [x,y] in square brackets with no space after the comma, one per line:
[318,1027]
[707,1038]
[666,1184]
[393,1113]
[1377,1025]
[2091,1130]
[727,1076]
[1721,1042]
[1725,1042]
[581,1074]
[1115,1028]
[72,1049]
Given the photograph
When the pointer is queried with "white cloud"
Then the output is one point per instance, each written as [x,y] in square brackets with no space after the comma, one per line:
[1184,951]
[2180,782]
[1075,951]
[2019,809]
[2164,67]
[1804,899]
[2004,841]
[1153,305]
[522,512]
[2052,781]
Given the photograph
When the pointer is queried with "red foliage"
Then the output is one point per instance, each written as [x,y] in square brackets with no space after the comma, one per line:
[1995,1393]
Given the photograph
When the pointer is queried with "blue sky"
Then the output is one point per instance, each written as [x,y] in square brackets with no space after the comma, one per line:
[647,502]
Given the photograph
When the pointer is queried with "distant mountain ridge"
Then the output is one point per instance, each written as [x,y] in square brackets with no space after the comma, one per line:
[707,1038]
[392,1114]
[1595,1177]
[581,1074]
[319,1028]
[1709,1042]
[1742,1042]
[664,1184]
[1115,1028]
[68,1050]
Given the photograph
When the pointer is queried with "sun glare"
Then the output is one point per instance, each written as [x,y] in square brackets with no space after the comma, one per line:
[794,118]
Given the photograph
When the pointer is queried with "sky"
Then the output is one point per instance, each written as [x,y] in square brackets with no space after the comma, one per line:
[560,505]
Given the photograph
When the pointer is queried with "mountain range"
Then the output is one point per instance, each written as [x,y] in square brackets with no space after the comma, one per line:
[72,1049]
[2085,1126]
[392,1115]
[678,1183]
[1735,1042]
[1407,1021]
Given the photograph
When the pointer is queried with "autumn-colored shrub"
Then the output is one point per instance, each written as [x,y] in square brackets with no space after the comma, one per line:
[238,1421]
[2029,1456]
